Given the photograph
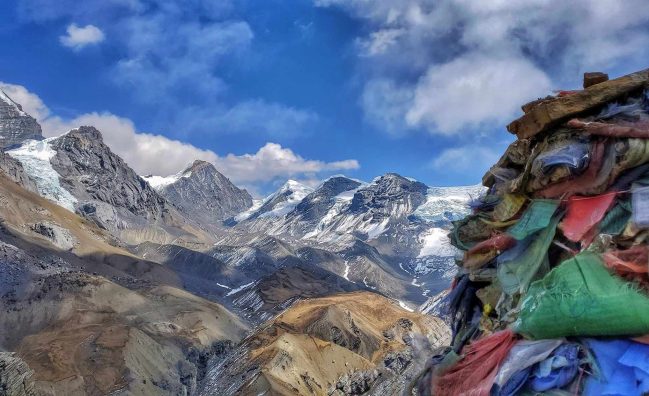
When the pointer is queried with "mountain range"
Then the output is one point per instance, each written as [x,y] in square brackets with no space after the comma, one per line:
[119,283]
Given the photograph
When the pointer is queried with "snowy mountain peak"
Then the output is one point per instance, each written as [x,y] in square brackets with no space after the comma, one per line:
[198,165]
[282,201]
[87,133]
[293,186]
[337,181]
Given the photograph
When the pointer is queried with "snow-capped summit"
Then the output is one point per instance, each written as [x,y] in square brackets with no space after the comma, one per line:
[202,193]
[16,126]
[282,201]
[317,203]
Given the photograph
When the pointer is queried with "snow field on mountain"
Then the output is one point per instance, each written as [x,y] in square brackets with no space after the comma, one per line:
[35,158]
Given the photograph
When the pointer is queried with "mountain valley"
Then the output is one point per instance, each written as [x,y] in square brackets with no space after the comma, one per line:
[116,283]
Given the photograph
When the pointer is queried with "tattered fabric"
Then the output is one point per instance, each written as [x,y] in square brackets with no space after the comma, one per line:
[623,368]
[516,274]
[633,261]
[591,181]
[635,130]
[537,216]
[487,250]
[581,298]
[583,213]
[474,374]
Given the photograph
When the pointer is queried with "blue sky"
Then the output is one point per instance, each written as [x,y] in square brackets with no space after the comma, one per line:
[273,89]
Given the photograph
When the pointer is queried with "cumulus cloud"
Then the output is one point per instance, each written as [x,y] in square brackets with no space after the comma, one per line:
[155,154]
[31,103]
[272,160]
[461,94]
[78,37]
[385,103]
[454,65]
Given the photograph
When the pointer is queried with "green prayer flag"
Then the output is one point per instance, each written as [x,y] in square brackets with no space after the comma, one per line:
[536,217]
[581,297]
[516,274]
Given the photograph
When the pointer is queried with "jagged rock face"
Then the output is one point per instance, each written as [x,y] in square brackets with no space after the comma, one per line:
[59,236]
[16,126]
[388,195]
[315,205]
[102,182]
[15,171]
[15,376]
[205,195]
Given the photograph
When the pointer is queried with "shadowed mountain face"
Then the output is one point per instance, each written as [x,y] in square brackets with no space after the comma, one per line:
[118,284]
[16,126]
[203,194]
[95,176]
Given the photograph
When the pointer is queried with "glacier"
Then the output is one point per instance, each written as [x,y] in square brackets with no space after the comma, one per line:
[35,156]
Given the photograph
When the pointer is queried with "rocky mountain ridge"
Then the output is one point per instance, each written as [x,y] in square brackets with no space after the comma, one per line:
[78,171]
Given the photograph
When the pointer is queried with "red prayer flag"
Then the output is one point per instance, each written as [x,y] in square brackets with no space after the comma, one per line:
[584,213]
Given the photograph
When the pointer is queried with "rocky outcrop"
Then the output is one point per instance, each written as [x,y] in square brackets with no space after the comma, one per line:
[354,383]
[16,126]
[14,170]
[388,195]
[15,376]
[57,235]
[93,173]
[206,196]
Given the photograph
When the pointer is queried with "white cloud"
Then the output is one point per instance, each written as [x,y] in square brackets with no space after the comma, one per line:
[459,59]
[31,103]
[385,103]
[272,161]
[474,89]
[380,41]
[465,159]
[155,154]
[78,37]
[168,65]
